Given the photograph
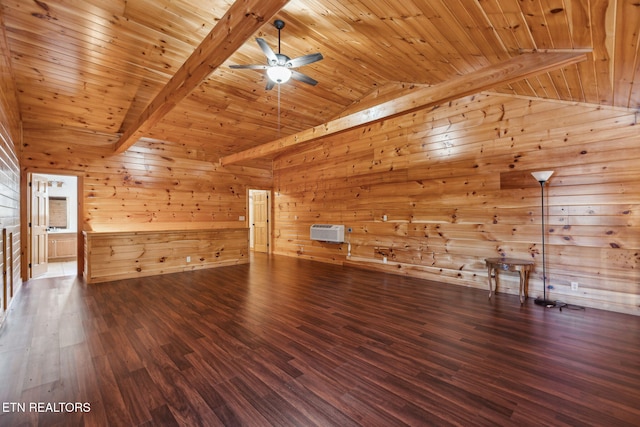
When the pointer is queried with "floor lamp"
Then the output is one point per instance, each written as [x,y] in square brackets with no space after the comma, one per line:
[542,177]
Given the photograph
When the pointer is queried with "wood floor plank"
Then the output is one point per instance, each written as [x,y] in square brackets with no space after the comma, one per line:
[288,342]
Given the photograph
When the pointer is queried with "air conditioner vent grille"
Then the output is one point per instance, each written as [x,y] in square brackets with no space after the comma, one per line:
[327,233]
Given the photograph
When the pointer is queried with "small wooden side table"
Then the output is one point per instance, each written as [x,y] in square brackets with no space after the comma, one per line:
[522,266]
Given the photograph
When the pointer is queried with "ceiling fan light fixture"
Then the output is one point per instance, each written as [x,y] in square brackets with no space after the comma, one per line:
[279,74]
[279,67]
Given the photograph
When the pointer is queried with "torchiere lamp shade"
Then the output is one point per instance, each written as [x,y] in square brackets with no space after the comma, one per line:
[542,176]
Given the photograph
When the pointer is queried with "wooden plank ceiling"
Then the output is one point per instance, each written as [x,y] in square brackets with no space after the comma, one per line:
[107,66]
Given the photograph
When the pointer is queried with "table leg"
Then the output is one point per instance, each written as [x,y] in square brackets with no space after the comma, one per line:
[490,268]
[521,291]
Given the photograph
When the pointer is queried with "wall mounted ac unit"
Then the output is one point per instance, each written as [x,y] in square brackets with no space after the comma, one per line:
[327,233]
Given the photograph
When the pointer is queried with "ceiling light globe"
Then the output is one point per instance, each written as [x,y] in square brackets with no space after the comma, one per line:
[279,74]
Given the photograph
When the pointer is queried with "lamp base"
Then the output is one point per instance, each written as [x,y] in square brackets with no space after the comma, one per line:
[545,302]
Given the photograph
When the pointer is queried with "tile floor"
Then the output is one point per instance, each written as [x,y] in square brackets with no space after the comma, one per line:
[58,269]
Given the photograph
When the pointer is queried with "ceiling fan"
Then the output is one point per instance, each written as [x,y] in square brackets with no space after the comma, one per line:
[279,66]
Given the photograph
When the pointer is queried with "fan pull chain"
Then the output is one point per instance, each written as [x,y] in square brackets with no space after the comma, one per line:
[278,110]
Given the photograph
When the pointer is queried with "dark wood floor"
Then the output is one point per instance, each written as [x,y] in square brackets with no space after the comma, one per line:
[289,342]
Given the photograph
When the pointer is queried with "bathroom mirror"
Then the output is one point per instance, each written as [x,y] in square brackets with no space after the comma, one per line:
[58,212]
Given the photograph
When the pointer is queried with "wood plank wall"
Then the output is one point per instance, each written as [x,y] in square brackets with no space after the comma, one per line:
[154,186]
[444,178]
[9,220]
[152,182]
[123,255]
[10,133]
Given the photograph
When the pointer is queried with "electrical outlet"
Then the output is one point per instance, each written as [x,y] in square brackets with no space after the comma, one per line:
[384,260]
[574,286]
[188,259]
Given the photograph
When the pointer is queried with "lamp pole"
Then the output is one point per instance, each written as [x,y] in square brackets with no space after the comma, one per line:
[542,177]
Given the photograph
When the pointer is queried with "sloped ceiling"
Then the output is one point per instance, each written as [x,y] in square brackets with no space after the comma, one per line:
[96,65]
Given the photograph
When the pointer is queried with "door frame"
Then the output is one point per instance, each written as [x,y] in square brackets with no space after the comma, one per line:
[25,242]
[269,192]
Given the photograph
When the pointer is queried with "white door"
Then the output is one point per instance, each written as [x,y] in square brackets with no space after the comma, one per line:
[38,222]
[260,224]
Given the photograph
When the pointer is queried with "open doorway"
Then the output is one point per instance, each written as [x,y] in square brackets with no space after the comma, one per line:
[53,231]
[259,224]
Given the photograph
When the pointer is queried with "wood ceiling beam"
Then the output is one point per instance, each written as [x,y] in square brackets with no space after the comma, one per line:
[512,70]
[240,22]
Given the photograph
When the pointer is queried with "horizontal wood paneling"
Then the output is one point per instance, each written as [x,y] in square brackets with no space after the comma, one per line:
[437,175]
[156,188]
[122,255]
[152,183]
[10,133]
[10,235]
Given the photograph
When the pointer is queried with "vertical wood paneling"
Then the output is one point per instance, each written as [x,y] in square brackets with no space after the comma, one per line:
[437,177]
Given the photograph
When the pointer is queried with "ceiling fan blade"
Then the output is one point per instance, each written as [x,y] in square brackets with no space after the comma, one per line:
[268,52]
[296,75]
[304,60]
[269,85]
[250,66]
